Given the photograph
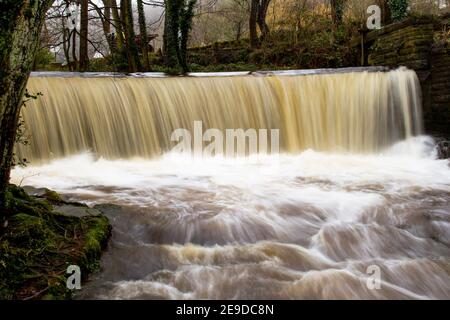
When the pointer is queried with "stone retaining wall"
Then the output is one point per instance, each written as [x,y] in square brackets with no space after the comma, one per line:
[412,43]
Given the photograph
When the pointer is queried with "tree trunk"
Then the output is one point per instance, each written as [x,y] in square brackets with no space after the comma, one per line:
[105,18]
[262,15]
[130,37]
[84,22]
[171,33]
[238,31]
[186,16]
[66,45]
[19,38]
[252,23]
[117,24]
[66,38]
[385,12]
[74,63]
[144,37]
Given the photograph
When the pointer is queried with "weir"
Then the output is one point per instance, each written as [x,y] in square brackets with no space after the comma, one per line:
[134,116]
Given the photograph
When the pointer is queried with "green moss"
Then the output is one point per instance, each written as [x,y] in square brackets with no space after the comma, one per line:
[53,196]
[39,244]
[95,240]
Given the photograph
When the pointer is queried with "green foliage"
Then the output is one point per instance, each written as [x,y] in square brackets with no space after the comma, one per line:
[320,45]
[118,60]
[105,64]
[43,59]
[228,67]
[399,9]
[339,7]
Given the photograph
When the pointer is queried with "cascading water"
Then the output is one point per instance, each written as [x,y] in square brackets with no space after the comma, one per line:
[135,117]
[355,187]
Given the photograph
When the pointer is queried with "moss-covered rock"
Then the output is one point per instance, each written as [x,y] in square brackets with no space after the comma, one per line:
[38,244]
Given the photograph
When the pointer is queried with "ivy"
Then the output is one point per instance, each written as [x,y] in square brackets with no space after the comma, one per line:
[179,14]
[399,9]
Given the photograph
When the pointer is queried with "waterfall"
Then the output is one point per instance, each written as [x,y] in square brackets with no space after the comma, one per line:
[124,117]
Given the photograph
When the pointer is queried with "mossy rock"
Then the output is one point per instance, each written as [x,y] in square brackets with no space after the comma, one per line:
[39,244]
[53,196]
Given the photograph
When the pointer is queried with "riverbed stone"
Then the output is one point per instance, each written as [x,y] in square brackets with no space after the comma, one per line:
[76,211]
[48,194]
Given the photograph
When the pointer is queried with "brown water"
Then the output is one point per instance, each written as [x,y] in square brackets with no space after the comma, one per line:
[353,189]
[128,117]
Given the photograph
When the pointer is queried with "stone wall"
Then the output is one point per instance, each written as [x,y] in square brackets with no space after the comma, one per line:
[412,43]
[439,110]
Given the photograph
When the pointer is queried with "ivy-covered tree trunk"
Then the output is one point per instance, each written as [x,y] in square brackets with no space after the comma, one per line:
[398,9]
[21,23]
[187,14]
[337,11]
[117,24]
[144,37]
[130,37]
[171,32]
[178,22]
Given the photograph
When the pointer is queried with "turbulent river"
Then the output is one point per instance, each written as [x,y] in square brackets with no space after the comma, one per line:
[304,226]
[356,194]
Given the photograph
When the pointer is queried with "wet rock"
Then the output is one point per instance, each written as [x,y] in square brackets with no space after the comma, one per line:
[36,192]
[108,208]
[48,194]
[443,149]
[77,211]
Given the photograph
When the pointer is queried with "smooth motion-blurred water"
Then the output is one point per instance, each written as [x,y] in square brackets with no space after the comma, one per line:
[292,226]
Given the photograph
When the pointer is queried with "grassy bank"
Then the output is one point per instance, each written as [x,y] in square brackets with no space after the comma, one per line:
[38,243]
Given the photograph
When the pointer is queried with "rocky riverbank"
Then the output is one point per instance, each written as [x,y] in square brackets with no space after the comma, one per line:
[43,235]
